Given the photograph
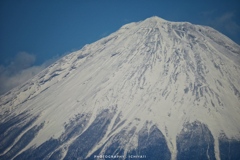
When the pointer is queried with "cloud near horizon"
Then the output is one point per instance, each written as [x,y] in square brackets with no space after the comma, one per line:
[20,70]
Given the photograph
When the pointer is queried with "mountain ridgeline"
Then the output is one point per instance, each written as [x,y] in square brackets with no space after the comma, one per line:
[154,89]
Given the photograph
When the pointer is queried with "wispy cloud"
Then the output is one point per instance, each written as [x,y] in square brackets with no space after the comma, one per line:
[20,62]
[225,22]
[20,70]
[104,34]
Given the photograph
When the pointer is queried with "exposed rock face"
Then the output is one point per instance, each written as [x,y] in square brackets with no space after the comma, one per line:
[195,142]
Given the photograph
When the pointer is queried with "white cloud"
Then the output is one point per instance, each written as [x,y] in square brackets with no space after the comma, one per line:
[20,70]
[227,22]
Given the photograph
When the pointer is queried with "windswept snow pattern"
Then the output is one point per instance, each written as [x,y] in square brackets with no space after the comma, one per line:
[164,90]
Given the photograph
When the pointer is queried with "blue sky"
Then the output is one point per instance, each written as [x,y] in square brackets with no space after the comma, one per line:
[33,33]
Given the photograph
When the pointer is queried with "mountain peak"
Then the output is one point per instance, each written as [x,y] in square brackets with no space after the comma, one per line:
[156,18]
[154,21]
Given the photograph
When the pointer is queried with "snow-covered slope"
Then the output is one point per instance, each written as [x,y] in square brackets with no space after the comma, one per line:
[154,84]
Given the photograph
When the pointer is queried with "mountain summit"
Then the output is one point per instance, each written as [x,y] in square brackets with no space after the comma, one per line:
[153,89]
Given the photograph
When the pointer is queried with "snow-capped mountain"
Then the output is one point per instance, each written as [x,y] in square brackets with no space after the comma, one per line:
[153,89]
